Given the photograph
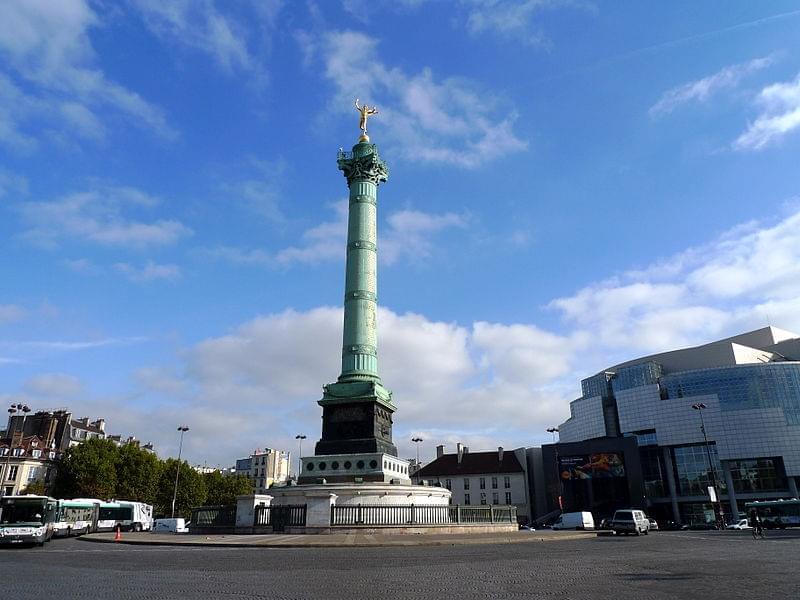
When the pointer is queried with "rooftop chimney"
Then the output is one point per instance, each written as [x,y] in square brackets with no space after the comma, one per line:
[460,451]
[500,454]
[100,424]
[440,451]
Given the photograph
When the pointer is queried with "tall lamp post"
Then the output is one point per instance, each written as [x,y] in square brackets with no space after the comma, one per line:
[13,410]
[417,441]
[300,437]
[554,431]
[719,514]
[183,429]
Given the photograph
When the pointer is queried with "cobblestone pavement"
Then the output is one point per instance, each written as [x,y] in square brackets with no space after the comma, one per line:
[665,565]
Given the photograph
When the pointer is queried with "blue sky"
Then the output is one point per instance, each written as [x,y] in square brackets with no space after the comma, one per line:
[572,184]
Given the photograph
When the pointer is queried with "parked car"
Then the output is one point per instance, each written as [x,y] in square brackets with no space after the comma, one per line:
[526,528]
[740,524]
[673,526]
[653,524]
[575,520]
[629,521]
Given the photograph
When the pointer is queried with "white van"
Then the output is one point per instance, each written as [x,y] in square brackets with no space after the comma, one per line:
[177,525]
[630,520]
[574,520]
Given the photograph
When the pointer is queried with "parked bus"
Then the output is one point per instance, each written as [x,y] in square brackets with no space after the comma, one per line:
[776,514]
[27,519]
[76,517]
[130,516]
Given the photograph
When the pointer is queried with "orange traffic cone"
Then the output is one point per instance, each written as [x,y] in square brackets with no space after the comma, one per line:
[118,536]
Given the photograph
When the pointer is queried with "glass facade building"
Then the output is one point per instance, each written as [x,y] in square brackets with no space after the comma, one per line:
[723,415]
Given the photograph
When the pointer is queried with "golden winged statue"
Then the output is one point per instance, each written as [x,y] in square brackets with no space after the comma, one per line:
[365,111]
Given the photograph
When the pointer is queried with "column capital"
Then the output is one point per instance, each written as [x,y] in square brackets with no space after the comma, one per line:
[363,164]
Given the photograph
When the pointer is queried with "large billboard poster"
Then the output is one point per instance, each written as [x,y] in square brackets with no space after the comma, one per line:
[601,466]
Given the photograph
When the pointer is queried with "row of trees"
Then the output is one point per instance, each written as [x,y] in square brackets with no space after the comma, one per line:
[99,468]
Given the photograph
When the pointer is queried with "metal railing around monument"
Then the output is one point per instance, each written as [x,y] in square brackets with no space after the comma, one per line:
[213,516]
[412,514]
[284,515]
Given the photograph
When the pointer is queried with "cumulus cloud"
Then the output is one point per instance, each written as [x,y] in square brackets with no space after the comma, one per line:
[739,281]
[703,89]
[780,115]
[267,374]
[98,216]
[47,45]
[448,120]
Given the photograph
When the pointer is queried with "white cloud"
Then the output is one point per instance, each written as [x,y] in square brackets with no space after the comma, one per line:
[409,235]
[98,216]
[740,281]
[780,115]
[703,89]
[268,373]
[512,18]
[53,385]
[47,45]
[150,271]
[449,120]
[11,312]
[199,24]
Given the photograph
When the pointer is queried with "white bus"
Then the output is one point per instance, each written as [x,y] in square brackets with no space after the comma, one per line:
[76,517]
[27,519]
[130,516]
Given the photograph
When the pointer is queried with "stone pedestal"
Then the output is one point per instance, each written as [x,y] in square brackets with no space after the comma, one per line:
[318,507]
[246,508]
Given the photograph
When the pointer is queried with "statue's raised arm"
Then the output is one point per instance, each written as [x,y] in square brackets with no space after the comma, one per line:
[365,111]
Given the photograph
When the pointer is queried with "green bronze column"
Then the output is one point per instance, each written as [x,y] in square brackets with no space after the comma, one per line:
[357,409]
[364,171]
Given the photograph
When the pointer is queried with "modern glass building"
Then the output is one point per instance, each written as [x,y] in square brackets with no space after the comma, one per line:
[744,391]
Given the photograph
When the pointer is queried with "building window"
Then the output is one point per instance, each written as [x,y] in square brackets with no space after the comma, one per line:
[12,473]
[448,484]
[466,483]
[494,483]
[466,499]
[33,474]
[691,469]
[757,475]
[36,453]
[495,498]
[508,497]
[483,498]
[507,482]
[483,483]
[652,471]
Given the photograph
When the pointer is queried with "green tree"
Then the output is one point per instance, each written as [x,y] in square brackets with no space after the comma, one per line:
[36,488]
[138,473]
[88,470]
[222,490]
[191,489]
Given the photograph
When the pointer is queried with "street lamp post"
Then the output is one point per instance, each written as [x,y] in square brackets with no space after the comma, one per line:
[183,429]
[553,431]
[417,441]
[300,437]
[719,513]
[13,410]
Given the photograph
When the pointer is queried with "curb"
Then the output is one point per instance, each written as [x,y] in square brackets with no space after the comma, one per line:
[348,544]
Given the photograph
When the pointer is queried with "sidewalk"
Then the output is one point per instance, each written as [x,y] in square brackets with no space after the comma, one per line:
[337,540]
